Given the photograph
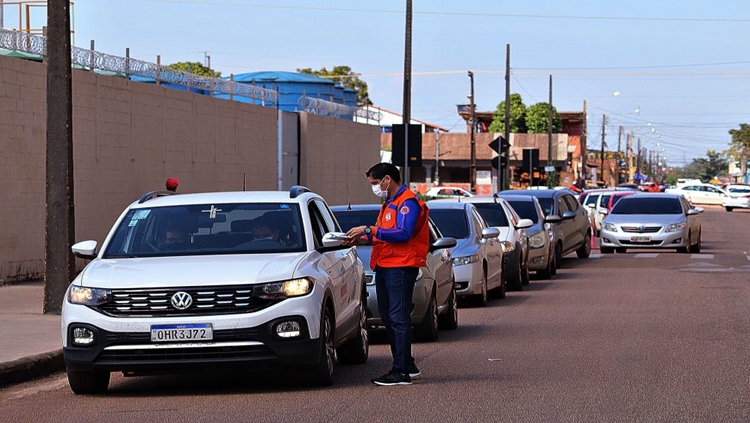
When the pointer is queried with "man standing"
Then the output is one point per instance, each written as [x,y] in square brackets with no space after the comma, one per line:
[400,243]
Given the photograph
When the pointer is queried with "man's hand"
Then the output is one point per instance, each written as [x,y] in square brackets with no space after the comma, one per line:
[356,232]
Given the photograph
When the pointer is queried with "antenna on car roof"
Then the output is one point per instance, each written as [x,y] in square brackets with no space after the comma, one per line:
[348,198]
[244,181]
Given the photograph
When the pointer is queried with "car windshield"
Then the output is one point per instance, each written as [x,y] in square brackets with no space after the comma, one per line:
[525,209]
[452,223]
[208,229]
[547,204]
[493,213]
[647,205]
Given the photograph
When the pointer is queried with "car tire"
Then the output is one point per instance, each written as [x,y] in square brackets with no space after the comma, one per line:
[584,251]
[554,263]
[87,383]
[621,250]
[606,250]
[558,255]
[546,273]
[525,277]
[481,299]
[449,319]
[427,331]
[321,373]
[696,249]
[357,349]
[516,284]
[729,209]
[686,250]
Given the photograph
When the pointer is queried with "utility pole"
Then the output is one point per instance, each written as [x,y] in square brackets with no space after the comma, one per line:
[473,163]
[549,136]
[619,155]
[604,128]
[407,90]
[59,264]
[506,169]
[437,157]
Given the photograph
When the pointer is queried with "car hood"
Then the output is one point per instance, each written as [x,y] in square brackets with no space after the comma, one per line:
[505,233]
[644,219]
[465,247]
[190,270]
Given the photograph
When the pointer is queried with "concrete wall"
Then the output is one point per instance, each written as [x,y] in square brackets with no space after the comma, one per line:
[128,137]
[335,154]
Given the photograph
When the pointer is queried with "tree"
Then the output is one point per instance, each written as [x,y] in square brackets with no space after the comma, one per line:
[537,118]
[739,147]
[347,78]
[517,121]
[195,68]
[712,166]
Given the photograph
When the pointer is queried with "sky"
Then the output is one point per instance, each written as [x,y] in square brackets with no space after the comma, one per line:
[681,68]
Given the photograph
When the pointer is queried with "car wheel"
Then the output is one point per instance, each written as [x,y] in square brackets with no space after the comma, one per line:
[554,263]
[85,383]
[606,250]
[357,349]
[621,250]
[697,247]
[558,255]
[321,373]
[516,284]
[546,273]
[584,251]
[525,278]
[481,299]
[729,208]
[449,319]
[427,331]
[685,250]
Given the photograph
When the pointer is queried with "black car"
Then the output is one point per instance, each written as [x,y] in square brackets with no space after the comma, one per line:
[573,232]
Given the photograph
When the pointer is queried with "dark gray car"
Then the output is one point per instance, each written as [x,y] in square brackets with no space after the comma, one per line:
[573,232]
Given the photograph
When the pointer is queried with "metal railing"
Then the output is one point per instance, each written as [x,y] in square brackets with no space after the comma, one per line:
[94,60]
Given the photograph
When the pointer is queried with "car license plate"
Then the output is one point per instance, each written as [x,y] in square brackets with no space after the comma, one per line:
[180,333]
[640,239]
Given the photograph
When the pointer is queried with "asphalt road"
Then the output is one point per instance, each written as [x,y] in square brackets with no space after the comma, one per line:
[650,336]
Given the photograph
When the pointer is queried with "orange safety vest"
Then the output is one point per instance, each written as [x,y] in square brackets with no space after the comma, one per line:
[412,253]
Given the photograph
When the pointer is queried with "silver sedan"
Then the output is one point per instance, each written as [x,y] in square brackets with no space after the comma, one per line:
[652,221]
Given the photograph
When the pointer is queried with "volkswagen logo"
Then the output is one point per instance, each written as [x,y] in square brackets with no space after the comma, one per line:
[181,300]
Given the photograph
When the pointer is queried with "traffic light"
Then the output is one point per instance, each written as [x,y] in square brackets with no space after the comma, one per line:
[502,147]
[415,145]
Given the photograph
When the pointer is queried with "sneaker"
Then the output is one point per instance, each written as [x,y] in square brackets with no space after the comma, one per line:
[414,372]
[392,378]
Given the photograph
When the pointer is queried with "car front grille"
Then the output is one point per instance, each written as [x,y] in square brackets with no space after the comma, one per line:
[177,355]
[641,229]
[205,300]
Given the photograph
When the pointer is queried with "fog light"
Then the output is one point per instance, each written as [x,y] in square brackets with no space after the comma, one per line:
[536,260]
[83,336]
[288,329]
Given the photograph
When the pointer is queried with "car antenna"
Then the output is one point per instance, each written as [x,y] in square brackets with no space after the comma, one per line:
[244,181]
[348,198]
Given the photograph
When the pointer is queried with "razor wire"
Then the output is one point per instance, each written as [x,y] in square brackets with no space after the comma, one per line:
[330,108]
[91,59]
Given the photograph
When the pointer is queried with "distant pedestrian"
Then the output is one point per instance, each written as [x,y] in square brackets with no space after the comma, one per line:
[172,184]
[400,242]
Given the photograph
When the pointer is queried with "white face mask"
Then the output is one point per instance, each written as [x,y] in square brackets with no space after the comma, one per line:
[379,192]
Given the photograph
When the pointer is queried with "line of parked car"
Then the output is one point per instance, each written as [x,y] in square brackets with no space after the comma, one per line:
[256,280]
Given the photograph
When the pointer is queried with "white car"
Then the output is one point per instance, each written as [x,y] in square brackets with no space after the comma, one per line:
[700,193]
[477,256]
[513,238]
[738,197]
[216,280]
[448,192]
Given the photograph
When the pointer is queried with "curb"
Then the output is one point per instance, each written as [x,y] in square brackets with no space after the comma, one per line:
[32,367]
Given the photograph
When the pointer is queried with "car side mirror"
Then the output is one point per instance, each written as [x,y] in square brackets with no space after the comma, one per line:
[525,223]
[568,215]
[442,243]
[694,211]
[552,218]
[85,250]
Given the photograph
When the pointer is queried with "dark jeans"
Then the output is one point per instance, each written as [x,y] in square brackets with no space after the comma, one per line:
[395,289]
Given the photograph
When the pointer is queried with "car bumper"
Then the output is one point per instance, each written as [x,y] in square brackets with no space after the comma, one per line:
[538,258]
[420,301]
[632,240]
[469,279]
[239,340]
[737,203]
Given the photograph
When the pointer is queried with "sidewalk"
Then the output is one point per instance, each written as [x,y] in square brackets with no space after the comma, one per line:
[30,340]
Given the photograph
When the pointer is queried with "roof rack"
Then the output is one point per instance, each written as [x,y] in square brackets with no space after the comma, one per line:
[296,190]
[153,194]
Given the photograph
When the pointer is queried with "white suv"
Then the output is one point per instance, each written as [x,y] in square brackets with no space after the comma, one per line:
[227,280]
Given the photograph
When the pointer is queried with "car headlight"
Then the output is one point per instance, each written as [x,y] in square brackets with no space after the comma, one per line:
[537,240]
[611,227]
[284,289]
[676,227]
[507,246]
[88,296]
[460,261]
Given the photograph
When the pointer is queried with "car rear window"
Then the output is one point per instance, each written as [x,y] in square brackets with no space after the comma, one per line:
[452,223]
[525,209]
[208,229]
[644,204]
